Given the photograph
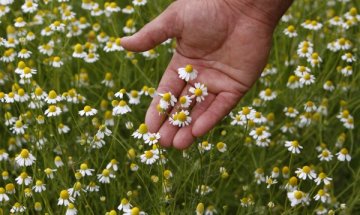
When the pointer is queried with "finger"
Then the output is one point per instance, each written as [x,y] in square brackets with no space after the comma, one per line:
[157,31]
[219,108]
[167,130]
[170,82]
[184,136]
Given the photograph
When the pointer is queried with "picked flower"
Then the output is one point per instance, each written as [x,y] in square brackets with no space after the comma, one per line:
[199,92]
[188,73]
[167,99]
[181,118]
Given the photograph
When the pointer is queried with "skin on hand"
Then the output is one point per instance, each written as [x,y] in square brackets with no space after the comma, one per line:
[227,42]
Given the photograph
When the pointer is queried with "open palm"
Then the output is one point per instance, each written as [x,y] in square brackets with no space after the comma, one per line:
[224,44]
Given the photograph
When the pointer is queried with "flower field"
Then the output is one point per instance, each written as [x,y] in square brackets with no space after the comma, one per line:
[73,102]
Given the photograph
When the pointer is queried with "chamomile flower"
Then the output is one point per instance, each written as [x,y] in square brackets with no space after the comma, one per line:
[19,127]
[139,2]
[124,205]
[149,157]
[129,27]
[204,146]
[270,181]
[56,62]
[152,138]
[88,111]
[180,118]
[78,51]
[134,97]
[221,147]
[105,176]
[322,196]
[71,210]
[323,178]
[91,57]
[185,101]
[84,170]
[347,71]
[19,22]
[52,98]
[23,178]
[39,186]
[167,99]
[343,155]
[49,173]
[150,54]
[296,197]
[199,92]
[348,57]
[53,110]
[141,132]
[307,79]
[329,86]
[305,172]
[312,25]
[290,31]
[25,158]
[291,112]
[17,208]
[65,198]
[128,9]
[3,196]
[268,94]
[325,155]
[293,146]
[113,165]
[188,73]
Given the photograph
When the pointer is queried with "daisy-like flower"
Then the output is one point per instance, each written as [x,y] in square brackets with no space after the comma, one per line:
[347,71]
[322,196]
[188,73]
[113,165]
[259,175]
[141,132]
[105,176]
[19,22]
[322,177]
[292,184]
[348,57]
[84,170]
[24,54]
[29,6]
[259,133]
[185,101]
[139,2]
[129,27]
[23,178]
[49,173]
[152,138]
[128,9]
[290,31]
[91,57]
[52,97]
[181,118]
[307,78]
[63,129]
[88,111]
[329,86]
[120,94]
[270,181]
[199,92]
[150,54]
[325,155]
[309,107]
[134,97]
[108,80]
[39,186]
[293,146]
[19,127]
[305,172]
[296,197]
[204,146]
[3,196]
[56,62]
[167,99]
[124,205]
[57,26]
[92,187]
[221,147]
[314,59]
[78,51]
[103,131]
[343,155]
[65,198]
[17,208]
[149,157]
[121,108]
[53,110]
[27,73]
[312,25]
[71,210]
[25,158]
[291,112]
[267,94]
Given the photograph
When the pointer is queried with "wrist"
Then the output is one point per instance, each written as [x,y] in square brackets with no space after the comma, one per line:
[267,12]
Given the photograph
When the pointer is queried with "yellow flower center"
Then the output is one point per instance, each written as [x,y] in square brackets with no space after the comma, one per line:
[24,153]
[291,28]
[181,117]
[167,97]
[106,172]
[122,103]
[135,210]
[21,65]
[64,194]
[149,154]
[188,68]
[143,129]
[130,23]
[198,92]
[134,93]
[306,169]
[87,108]
[18,124]
[21,92]
[268,92]
[84,166]
[295,143]
[52,108]
[52,94]
[344,151]
[23,175]
[124,201]
[322,175]
[325,153]
[2,190]
[298,194]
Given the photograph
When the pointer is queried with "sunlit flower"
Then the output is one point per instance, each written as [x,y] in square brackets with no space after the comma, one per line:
[84,170]
[180,118]
[39,186]
[296,197]
[134,97]
[188,73]
[343,155]
[290,31]
[141,132]
[25,158]
[88,111]
[149,157]
[24,179]
[152,138]
[167,99]
[105,176]
[322,177]
[199,92]
[124,205]
[65,198]
[293,146]
[305,172]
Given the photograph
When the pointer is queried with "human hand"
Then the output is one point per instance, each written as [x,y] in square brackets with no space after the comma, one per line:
[226,41]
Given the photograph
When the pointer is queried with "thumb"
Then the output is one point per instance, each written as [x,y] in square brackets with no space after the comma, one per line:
[157,31]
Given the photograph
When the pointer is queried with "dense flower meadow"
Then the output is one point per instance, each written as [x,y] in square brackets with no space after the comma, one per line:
[72,106]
